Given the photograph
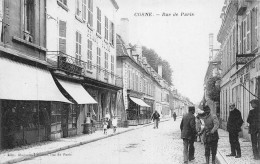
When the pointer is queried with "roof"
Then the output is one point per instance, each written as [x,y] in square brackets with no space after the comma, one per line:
[115,4]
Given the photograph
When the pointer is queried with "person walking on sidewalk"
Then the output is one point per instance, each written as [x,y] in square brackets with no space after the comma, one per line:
[234,124]
[174,116]
[188,133]
[156,119]
[254,127]
[198,128]
[210,131]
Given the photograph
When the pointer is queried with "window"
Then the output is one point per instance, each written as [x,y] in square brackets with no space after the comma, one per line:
[244,37]
[90,13]
[98,60]
[64,2]
[98,21]
[78,48]
[84,9]
[112,67]
[234,45]
[136,82]
[133,80]
[62,36]
[28,20]
[248,36]
[254,27]
[79,8]
[111,33]
[129,80]
[89,64]
[72,117]
[106,28]
[106,65]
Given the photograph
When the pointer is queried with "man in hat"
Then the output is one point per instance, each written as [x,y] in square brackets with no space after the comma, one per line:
[188,134]
[210,131]
[254,127]
[234,124]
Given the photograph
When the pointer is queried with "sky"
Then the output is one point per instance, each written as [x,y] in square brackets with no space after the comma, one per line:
[181,40]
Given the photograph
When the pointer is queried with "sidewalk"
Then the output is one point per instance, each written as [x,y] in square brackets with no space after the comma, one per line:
[224,149]
[44,148]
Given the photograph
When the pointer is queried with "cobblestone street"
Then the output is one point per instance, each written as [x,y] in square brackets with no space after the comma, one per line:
[144,146]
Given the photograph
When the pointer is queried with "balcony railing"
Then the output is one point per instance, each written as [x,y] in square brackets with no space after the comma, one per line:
[79,67]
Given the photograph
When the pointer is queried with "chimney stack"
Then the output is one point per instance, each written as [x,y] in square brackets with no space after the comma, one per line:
[124,30]
[160,70]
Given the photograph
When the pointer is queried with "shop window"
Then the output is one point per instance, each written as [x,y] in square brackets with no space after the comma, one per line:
[72,116]
[28,20]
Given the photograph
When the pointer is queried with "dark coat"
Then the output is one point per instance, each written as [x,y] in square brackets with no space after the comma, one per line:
[188,126]
[155,116]
[254,121]
[235,121]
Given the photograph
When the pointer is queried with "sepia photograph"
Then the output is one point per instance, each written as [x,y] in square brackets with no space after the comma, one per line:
[129,81]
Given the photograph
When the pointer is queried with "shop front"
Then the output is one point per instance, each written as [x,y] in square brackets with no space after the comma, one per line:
[137,112]
[26,99]
[73,116]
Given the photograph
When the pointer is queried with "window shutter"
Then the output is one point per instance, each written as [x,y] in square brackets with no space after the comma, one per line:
[62,36]
[62,45]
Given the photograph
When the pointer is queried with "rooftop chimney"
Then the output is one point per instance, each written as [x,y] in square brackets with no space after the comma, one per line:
[124,30]
[160,70]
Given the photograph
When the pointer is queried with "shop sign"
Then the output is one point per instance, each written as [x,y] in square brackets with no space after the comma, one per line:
[244,58]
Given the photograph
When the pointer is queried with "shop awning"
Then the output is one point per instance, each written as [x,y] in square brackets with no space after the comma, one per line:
[139,102]
[77,92]
[20,81]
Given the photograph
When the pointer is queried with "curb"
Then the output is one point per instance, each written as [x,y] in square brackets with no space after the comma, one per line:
[74,145]
[220,159]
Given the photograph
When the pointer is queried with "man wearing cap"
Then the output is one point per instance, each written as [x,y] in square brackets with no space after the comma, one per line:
[234,124]
[254,127]
[210,131]
[188,134]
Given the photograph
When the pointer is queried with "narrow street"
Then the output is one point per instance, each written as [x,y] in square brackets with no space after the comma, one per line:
[144,146]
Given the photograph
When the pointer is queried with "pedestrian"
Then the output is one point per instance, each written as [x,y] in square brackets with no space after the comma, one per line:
[105,124]
[254,127]
[234,124]
[210,131]
[114,123]
[198,128]
[156,118]
[188,133]
[174,116]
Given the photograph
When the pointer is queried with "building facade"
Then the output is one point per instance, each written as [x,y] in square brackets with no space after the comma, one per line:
[239,36]
[144,90]
[82,50]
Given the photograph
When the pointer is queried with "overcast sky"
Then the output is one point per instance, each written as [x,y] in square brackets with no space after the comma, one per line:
[181,40]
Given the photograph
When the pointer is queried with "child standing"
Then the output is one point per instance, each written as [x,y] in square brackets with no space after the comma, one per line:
[114,124]
[105,126]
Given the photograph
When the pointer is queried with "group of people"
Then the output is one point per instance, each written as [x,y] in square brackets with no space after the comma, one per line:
[190,129]
[189,133]
[106,123]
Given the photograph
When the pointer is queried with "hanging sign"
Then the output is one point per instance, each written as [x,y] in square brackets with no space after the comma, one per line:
[244,58]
